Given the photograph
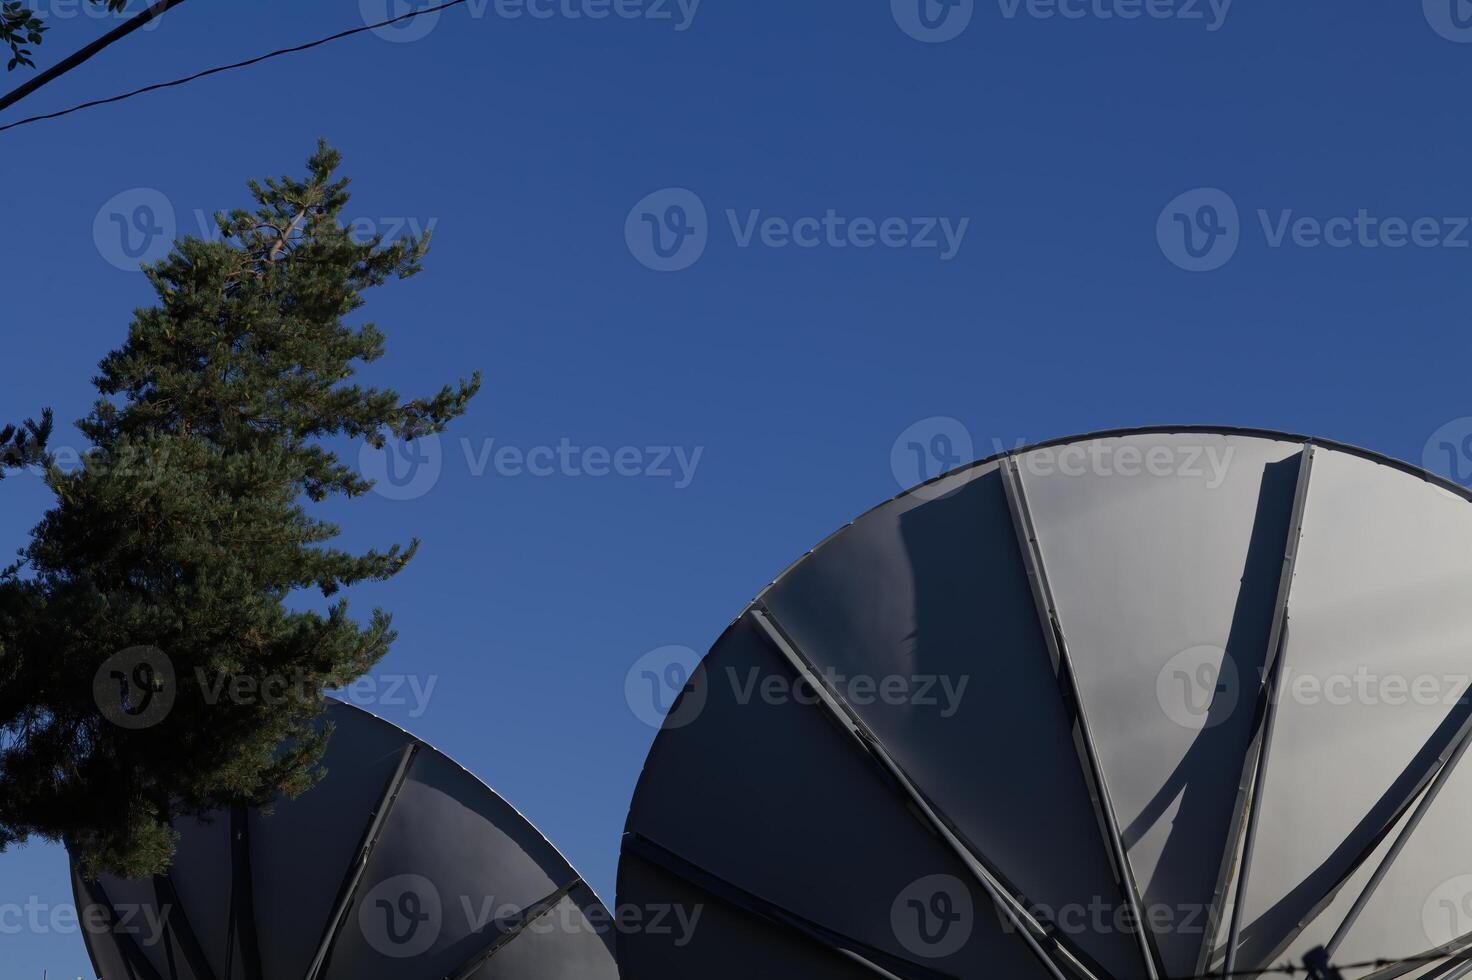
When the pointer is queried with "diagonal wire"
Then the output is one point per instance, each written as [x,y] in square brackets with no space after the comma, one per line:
[86,53]
[231,67]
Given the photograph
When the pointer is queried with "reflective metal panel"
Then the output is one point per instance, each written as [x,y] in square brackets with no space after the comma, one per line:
[923,613]
[1164,553]
[448,880]
[1425,899]
[764,807]
[1377,655]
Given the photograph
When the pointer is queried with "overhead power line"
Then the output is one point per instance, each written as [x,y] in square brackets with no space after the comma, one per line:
[66,64]
[239,64]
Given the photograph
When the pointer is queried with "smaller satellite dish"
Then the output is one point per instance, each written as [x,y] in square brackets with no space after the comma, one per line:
[398,865]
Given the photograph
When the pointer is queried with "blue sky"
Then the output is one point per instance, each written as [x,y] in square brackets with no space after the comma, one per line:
[872,232]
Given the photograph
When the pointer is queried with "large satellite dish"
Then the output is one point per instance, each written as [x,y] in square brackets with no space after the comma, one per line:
[398,865]
[1206,680]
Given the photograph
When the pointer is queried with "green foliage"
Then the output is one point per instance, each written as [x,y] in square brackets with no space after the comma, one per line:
[188,528]
[24,445]
[19,26]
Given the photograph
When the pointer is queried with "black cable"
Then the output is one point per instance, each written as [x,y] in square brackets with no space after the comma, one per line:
[239,64]
[156,10]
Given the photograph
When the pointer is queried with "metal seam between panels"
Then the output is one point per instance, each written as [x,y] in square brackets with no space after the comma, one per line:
[132,956]
[166,896]
[1402,807]
[1053,637]
[355,871]
[1452,971]
[1442,778]
[444,758]
[1259,749]
[868,741]
[1456,951]
[81,890]
[527,916]
[1231,850]
[241,930]
[733,895]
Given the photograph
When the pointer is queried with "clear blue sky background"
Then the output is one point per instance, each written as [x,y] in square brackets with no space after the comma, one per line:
[793,369]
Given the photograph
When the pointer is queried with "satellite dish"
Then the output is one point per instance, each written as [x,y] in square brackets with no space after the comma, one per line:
[398,864]
[993,724]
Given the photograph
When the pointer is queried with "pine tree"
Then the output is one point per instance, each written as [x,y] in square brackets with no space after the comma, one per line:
[24,445]
[187,530]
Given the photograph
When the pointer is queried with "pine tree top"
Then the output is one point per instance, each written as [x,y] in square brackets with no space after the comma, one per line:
[188,528]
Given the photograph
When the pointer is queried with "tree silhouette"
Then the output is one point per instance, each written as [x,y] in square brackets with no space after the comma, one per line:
[155,590]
